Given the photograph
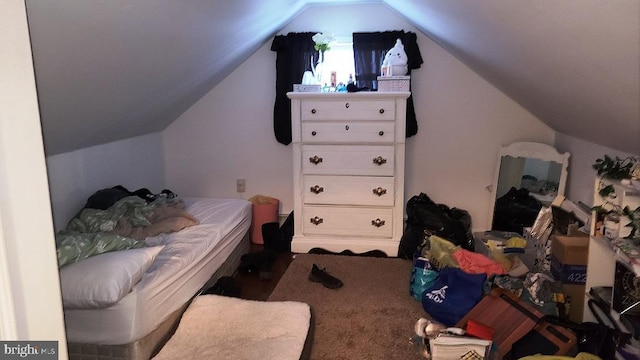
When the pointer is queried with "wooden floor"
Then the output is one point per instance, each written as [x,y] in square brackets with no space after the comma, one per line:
[254,288]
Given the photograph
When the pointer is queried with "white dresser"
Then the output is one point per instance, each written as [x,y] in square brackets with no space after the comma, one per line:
[348,169]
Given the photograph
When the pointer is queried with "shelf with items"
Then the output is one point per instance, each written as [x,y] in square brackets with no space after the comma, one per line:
[616,208]
[614,222]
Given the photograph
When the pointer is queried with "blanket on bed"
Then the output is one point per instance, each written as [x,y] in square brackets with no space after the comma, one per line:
[124,225]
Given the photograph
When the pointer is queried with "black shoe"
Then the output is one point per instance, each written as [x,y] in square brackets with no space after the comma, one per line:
[321,276]
[225,286]
[261,262]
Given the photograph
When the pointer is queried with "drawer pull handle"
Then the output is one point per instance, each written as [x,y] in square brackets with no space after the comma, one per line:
[314,133]
[381,133]
[346,127]
[315,160]
[347,105]
[379,191]
[313,111]
[316,189]
[379,160]
[316,220]
[377,222]
[381,111]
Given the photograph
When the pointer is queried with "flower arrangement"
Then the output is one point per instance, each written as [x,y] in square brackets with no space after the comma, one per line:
[322,41]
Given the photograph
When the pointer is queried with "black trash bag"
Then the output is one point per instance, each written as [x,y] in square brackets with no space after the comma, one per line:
[426,218]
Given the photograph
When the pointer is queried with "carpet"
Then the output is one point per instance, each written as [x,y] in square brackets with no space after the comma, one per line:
[371,317]
[219,327]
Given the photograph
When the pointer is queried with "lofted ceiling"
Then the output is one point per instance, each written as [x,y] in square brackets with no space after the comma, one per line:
[108,70]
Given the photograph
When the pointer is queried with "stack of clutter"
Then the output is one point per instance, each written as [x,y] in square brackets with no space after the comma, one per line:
[532,270]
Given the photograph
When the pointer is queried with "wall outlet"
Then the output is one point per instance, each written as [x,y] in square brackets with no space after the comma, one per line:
[241,185]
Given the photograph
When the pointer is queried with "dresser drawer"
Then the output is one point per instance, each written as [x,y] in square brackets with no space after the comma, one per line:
[374,160]
[348,190]
[348,110]
[348,132]
[347,221]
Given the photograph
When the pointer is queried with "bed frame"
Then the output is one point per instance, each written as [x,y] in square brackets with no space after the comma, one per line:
[148,346]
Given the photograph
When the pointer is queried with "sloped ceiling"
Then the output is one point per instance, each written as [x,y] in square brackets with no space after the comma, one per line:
[112,69]
[575,64]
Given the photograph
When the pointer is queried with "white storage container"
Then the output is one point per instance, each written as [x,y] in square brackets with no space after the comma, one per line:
[394,83]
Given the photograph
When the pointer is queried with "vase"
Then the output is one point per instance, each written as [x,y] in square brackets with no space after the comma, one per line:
[318,68]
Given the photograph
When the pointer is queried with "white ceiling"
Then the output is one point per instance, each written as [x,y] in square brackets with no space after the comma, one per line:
[112,69]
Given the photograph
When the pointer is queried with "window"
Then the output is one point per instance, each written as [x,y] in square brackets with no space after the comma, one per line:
[340,60]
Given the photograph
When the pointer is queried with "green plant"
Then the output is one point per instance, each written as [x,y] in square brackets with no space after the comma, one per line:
[615,168]
[634,216]
[607,208]
[607,191]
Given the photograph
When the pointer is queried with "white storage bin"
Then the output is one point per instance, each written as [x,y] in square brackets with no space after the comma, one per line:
[394,83]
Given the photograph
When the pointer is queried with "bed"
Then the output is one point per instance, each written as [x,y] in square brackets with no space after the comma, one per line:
[177,267]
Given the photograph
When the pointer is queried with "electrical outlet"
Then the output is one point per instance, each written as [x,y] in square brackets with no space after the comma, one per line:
[241,185]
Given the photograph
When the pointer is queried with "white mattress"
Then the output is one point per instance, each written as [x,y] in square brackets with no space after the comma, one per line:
[184,265]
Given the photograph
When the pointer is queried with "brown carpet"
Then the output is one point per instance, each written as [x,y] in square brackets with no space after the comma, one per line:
[371,317]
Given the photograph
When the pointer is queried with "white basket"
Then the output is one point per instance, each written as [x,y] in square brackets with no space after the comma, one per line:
[394,83]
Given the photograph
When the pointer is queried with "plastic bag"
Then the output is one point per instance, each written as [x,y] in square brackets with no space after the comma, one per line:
[440,252]
[453,295]
[422,277]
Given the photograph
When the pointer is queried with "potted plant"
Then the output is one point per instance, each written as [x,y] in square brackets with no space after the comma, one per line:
[619,169]
[616,168]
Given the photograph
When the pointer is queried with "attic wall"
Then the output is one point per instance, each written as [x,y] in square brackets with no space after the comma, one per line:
[73,176]
[581,179]
[462,119]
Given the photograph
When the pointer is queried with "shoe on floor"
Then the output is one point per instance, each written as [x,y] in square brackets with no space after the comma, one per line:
[321,276]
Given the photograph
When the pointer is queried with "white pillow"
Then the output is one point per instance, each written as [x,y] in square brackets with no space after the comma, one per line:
[102,280]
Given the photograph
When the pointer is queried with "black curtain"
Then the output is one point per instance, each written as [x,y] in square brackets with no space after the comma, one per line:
[369,50]
[294,52]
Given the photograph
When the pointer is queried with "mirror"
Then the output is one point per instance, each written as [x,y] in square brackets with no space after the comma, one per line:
[528,176]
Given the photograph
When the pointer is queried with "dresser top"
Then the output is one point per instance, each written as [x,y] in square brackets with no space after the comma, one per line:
[349,95]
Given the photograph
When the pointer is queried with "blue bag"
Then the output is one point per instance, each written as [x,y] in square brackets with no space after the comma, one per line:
[423,275]
[453,295]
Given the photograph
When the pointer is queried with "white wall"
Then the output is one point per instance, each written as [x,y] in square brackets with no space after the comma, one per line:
[30,301]
[462,120]
[133,163]
[228,135]
[582,176]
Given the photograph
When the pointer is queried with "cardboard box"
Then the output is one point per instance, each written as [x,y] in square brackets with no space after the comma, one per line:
[569,258]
